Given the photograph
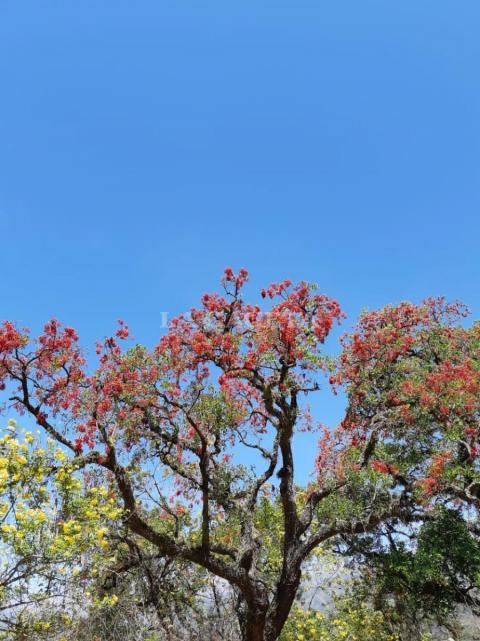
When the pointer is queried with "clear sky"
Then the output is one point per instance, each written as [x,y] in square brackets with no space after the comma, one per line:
[146,145]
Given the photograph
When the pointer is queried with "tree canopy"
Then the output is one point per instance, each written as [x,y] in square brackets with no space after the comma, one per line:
[160,438]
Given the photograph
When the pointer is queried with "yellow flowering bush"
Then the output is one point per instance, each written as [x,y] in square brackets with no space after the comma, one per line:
[51,521]
[349,621]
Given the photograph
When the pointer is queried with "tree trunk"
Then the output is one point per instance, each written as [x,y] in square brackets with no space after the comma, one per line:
[281,606]
[255,625]
[252,619]
[255,629]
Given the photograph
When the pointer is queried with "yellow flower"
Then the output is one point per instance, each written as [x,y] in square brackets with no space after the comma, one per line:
[42,626]
[71,530]
[109,600]
[41,516]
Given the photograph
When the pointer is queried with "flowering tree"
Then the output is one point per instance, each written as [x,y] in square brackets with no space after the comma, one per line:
[413,380]
[48,521]
[166,429]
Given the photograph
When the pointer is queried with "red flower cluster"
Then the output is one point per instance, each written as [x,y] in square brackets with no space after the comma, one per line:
[10,341]
[123,331]
[432,482]
[384,468]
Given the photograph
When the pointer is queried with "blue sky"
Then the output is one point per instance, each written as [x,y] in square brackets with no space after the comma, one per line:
[146,145]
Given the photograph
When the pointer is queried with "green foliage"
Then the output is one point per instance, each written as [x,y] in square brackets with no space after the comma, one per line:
[427,580]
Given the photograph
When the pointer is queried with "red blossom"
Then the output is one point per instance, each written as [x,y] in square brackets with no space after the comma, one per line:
[384,468]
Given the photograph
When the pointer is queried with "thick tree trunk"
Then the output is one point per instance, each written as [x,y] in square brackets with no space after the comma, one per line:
[252,618]
[281,606]
[255,629]
[257,625]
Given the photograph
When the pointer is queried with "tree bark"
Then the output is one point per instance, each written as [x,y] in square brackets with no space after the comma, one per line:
[281,605]
[255,627]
